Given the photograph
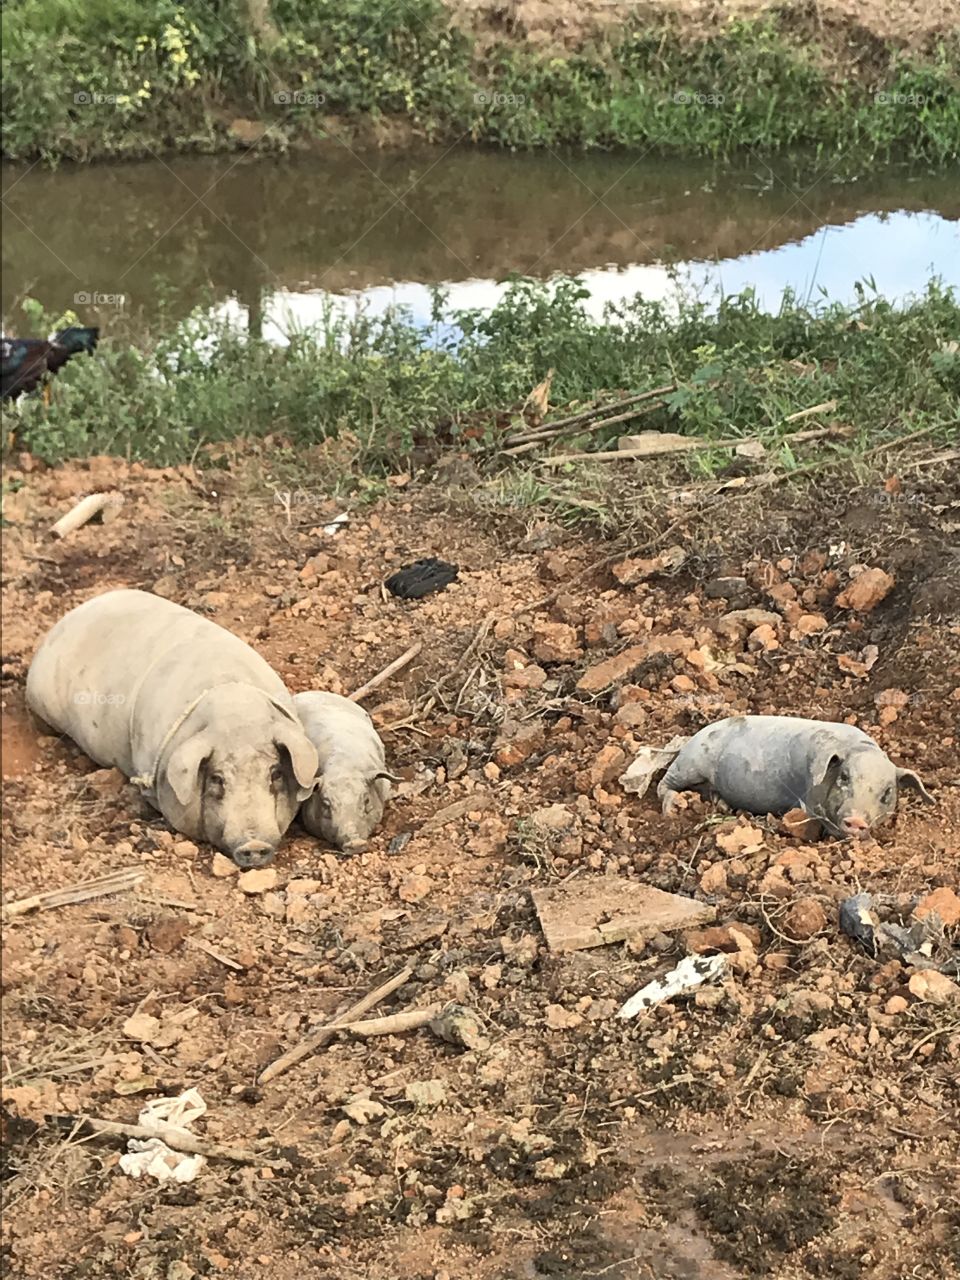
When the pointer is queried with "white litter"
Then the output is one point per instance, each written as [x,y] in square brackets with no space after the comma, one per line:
[647,763]
[152,1156]
[690,973]
[336,524]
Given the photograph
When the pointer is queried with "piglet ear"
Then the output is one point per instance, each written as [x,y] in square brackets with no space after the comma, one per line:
[826,766]
[183,768]
[303,757]
[907,778]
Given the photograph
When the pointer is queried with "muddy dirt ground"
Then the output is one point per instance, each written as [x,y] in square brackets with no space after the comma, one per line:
[797,1118]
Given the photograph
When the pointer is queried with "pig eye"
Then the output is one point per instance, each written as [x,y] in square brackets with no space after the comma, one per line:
[887,796]
[276,775]
[216,781]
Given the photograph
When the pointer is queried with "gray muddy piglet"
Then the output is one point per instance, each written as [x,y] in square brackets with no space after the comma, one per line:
[188,711]
[771,764]
[353,784]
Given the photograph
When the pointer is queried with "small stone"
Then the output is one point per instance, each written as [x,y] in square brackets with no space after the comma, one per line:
[362,1110]
[167,934]
[739,623]
[933,987]
[259,880]
[273,590]
[555,642]
[414,888]
[739,839]
[725,588]
[426,1093]
[714,879]
[552,817]
[811,624]
[895,1005]
[866,590]
[804,920]
[185,849]
[142,1027]
[273,905]
[683,684]
[222,867]
[559,1019]
[763,637]
[623,665]
[799,824]
[944,902]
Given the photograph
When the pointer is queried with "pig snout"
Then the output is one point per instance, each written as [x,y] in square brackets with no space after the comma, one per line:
[253,853]
[854,825]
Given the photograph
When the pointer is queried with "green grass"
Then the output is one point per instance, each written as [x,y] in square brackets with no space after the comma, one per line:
[162,76]
[389,388]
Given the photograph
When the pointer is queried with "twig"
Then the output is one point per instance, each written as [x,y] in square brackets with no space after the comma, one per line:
[107,503]
[587,415]
[584,430]
[202,945]
[387,672]
[931,1035]
[828,406]
[693,445]
[115,882]
[394,1023]
[176,1138]
[317,1039]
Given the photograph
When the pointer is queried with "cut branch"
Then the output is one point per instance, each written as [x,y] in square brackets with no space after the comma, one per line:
[115,882]
[176,1139]
[686,446]
[320,1037]
[397,665]
[108,504]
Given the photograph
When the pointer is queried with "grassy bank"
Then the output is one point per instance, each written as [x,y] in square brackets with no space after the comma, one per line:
[399,395]
[88,79]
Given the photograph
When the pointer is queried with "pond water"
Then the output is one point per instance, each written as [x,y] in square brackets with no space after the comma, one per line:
[272,241]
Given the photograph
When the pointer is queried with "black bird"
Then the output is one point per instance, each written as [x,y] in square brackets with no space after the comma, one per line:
[27,361]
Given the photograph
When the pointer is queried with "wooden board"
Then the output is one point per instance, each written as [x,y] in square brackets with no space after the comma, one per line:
[591,911]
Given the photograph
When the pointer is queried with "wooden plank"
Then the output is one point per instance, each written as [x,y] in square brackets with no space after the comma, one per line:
[596,910]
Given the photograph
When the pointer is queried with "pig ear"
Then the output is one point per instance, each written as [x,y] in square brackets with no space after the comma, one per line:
[303,757]
[183,767]
[907,778]
[826,765]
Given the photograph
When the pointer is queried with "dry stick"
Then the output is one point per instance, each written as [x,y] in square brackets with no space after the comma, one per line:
[533,443]
[320,1037]
[86,509]
[202,945]
[387,672]
[684,446]
[176,1138]
[828,406]
[394,1023]
[115,882]
[587,415]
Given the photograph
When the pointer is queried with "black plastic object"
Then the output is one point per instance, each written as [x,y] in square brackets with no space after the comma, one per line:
[421,578]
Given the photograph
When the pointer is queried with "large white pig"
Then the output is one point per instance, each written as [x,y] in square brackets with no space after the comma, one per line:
[188,711]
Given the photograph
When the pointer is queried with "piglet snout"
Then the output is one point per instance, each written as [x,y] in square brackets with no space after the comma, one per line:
[854,825]
[253,853]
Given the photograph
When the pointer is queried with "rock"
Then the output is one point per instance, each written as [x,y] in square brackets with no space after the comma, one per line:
[714,879]
[895,1005]
[726,938]
[631,571]
[866,590]
[426,1093]
[683,684]
[763,637]
[632,715]
[167,934]
[362,1110]
[804,920]
[555,642]
[607,765]
[273,905]
[811,624]
[725,588]
[414,888]
[520,673]
[944,902]
[552,817]
[222,867]
[799,824]
[737,625]
[559,1019]
[933,987]
[519,745]
[258,880]
[739,839]
[185,849]
[623,665]
[107,783]
[142,1027]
